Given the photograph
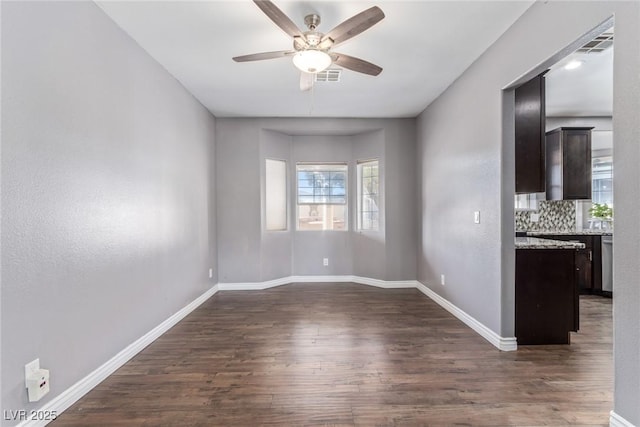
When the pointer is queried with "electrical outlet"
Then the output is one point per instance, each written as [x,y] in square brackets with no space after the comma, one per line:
[476,217]
[534,217]
[325,262]
[36,380]
[210,273]
[442,279]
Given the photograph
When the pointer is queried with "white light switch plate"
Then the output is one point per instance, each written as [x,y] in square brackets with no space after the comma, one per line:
[476,217]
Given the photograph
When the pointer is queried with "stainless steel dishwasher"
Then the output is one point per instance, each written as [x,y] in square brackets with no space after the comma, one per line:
[607,264]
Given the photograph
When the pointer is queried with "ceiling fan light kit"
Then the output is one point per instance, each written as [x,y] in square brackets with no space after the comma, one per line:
[312,61]
[312,50]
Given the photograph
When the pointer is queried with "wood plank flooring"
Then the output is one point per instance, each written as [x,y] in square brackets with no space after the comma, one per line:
[344,355]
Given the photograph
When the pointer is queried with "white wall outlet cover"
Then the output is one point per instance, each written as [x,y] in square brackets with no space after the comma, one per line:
[36,380]
[38,384]
[325,261]
[535,217]
[442,279]
[210,273]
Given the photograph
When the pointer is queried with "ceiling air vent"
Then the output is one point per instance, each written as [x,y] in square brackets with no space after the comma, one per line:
[331,75]
[597,45]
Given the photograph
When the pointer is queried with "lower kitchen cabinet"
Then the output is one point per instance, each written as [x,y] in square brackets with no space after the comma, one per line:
[588,260]
[547,305]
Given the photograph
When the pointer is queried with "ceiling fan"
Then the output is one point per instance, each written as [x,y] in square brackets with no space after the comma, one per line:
[312,49]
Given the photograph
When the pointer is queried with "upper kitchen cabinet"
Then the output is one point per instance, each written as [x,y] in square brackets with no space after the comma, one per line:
[568,163]
[530,141]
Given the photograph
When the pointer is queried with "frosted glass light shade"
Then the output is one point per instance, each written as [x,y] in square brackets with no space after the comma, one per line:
[311,61]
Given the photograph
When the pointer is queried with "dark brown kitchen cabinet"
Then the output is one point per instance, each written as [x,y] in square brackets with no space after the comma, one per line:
[529,136]
[546,297]
[568,163]
[588,260]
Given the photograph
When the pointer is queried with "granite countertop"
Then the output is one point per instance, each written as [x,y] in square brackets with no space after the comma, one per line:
[536,243]
[586,232]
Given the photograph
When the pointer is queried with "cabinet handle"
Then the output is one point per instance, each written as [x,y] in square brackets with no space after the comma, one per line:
[590,255]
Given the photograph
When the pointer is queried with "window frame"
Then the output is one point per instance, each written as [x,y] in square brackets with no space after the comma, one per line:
[359,195]
[346,195]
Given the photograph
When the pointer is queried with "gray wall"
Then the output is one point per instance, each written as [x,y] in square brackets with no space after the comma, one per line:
[242,146]
[463,166]
[238,200]
[401,201]
[106,202]
[626,187]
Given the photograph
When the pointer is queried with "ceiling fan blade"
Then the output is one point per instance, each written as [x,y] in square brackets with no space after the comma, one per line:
[263,55]
[306,81]
[355,25]
[356,64]
[279,18]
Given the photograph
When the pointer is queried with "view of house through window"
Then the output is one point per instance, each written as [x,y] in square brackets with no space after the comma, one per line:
[602,180]
[322,196]
[368,195]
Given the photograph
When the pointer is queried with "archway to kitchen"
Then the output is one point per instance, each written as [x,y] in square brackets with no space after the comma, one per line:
[557,125]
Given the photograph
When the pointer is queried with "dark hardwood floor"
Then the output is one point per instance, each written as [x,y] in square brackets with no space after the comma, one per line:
[347,354]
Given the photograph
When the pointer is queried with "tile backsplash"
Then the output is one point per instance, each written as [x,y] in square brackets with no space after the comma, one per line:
[554,215]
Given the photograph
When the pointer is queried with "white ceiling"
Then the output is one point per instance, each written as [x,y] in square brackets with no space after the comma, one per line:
[584,91]
[423,46]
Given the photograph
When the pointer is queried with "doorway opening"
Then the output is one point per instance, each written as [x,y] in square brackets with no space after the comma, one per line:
[564,173]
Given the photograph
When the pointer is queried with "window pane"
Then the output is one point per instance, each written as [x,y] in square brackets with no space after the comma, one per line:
[321,217]
[602,184]
[276,194]
[368,195]
[322,196]
[327,183]
[305,199]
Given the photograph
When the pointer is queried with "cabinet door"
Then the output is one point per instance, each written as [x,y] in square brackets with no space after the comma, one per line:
[585,264]
[530,136]
[596,264]
[584,269]
[553,156]
[576,164]
[545,296]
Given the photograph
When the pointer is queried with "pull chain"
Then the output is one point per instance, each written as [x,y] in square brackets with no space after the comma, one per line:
[312,100]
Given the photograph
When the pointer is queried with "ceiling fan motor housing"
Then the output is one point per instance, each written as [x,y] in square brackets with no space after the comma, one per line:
[312,21]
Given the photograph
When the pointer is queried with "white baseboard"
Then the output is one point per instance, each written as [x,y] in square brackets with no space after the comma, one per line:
[616,420]
[254,286]
[71,395]
[502,343]
[386,284]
